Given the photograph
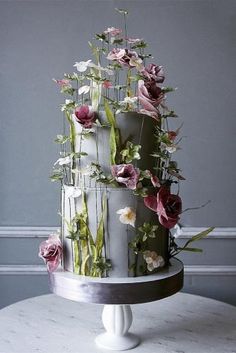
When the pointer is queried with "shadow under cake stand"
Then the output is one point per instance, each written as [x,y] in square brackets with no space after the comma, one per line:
[117,294]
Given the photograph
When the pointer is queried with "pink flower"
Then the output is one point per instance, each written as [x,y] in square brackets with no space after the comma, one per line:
[154,72]
[125,57]
[85,116]
[107,84]
[113,31]
[126,174]
[51,251]
[168,206]
[150,95]
[63,82]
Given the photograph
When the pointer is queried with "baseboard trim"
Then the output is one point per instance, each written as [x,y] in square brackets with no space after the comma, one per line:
[189,270]
[181,233]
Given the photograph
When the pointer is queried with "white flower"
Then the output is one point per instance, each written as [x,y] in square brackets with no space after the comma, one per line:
[130,100]
[127,215]
[83,89]
[153,260]
[82,65]
[171,148]
[63,161]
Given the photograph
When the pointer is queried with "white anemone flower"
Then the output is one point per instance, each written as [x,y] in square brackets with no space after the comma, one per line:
[82,65]
[63,161]
[83,89]
[127,216]
[153,260]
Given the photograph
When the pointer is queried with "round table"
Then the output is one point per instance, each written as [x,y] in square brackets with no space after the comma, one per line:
[183,323]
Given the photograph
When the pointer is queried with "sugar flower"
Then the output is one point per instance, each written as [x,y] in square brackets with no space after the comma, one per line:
[126,174]
[63,82]
[82,65]
[153,260]
[127,216]
[83,89]
[125,57]
[113,31]
[85,115]
[167,206]
[51,252]
[63,161]
[154,72]
[150,95]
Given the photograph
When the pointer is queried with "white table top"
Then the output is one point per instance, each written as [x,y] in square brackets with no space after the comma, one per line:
[182,323]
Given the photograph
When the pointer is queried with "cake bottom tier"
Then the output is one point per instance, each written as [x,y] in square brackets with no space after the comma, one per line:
[93,231]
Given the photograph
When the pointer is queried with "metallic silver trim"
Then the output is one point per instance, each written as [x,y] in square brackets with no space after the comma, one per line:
[130,290]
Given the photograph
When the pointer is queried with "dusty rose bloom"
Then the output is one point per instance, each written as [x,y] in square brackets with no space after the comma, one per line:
[85,116]
[150,95]
[168,206]
[63,82]
[126,174]
[51,251]
[113,31]
[125,57]
[107,84]
[154,72]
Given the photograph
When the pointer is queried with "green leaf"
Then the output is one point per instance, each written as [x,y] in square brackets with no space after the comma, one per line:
[84,265]
[100,230]
[109,114]
[112,146]
[61,139]
[76,257]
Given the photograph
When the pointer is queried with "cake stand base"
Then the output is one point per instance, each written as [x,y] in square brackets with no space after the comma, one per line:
[117,294]
[117,320]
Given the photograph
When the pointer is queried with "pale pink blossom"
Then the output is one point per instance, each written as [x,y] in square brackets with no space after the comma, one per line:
[113,31]
[51,252]
[150,96]
[153,260]
[63,82]
[125,57]
[107,84]
[126,174]
[133,40]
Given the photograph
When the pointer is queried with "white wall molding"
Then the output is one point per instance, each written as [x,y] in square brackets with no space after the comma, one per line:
[26,232]
[192,270]
[181,233]
[217,233]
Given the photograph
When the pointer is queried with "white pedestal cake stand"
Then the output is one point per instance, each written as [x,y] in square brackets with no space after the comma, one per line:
[117,294]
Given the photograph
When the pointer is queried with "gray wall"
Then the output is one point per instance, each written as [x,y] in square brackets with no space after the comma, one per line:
[195,42]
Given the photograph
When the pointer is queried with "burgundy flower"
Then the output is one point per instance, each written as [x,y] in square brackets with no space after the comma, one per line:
[85,116]
[150,95]
[154,72]
[126,174]
[125,57]
[168,206]
[51,251]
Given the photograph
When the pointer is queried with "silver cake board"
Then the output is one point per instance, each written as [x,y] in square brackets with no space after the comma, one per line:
[117,294]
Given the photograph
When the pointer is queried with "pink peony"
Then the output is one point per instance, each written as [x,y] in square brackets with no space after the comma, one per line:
[154,72]
[85,116]
[125,57]
[113,31]
[150,95]
[51,251]
[168,206]
[126,174]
